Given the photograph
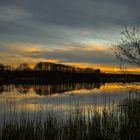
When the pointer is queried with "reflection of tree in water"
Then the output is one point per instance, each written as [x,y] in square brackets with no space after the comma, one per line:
[60,88]
[1,89]
[49,88]
[24,89]
[42,89]
[6,88]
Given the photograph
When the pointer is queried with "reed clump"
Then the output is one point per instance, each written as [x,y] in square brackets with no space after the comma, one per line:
[122,123]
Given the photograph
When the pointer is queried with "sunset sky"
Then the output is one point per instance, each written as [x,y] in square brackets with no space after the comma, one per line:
[74,32]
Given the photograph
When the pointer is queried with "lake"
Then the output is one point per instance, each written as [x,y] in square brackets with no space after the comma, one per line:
[62,98]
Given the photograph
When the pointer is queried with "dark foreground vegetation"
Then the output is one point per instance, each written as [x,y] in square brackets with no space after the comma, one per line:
[120,123]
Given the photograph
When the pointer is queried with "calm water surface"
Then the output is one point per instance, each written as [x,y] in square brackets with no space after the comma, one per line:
[61,98]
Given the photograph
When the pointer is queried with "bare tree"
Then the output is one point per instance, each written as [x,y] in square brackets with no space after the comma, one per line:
[2,67]
[23,67]
[128,49]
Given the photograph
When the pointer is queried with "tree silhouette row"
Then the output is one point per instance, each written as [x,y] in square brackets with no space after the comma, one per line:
[48,66]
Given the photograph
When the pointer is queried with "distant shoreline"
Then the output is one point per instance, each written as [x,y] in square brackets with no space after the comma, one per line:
[58,76]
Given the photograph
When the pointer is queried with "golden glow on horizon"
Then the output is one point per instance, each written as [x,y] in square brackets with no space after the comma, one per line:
[107,68]
[17,53]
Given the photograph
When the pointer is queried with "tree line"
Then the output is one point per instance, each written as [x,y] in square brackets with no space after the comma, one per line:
[48,66]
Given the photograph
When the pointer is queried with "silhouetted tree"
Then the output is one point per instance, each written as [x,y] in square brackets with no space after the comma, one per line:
[48,66]
[2,67]
[23,67]
[8,68]
[128,49]
[88,70]
[43,66]
[97,71]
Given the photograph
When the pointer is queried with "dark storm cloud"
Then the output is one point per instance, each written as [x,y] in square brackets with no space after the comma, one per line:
[30,15]
[81,12]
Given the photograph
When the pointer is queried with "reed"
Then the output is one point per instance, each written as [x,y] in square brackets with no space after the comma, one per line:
[122,123]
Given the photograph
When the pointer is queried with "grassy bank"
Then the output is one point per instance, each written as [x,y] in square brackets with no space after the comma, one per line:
[122,123]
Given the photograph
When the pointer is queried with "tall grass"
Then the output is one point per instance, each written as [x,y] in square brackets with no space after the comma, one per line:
[122,123]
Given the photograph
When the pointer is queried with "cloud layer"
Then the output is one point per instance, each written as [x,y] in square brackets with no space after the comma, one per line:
[84,53]
[67,31]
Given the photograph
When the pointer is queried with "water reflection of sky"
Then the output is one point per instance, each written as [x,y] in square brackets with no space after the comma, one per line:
[83,97]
